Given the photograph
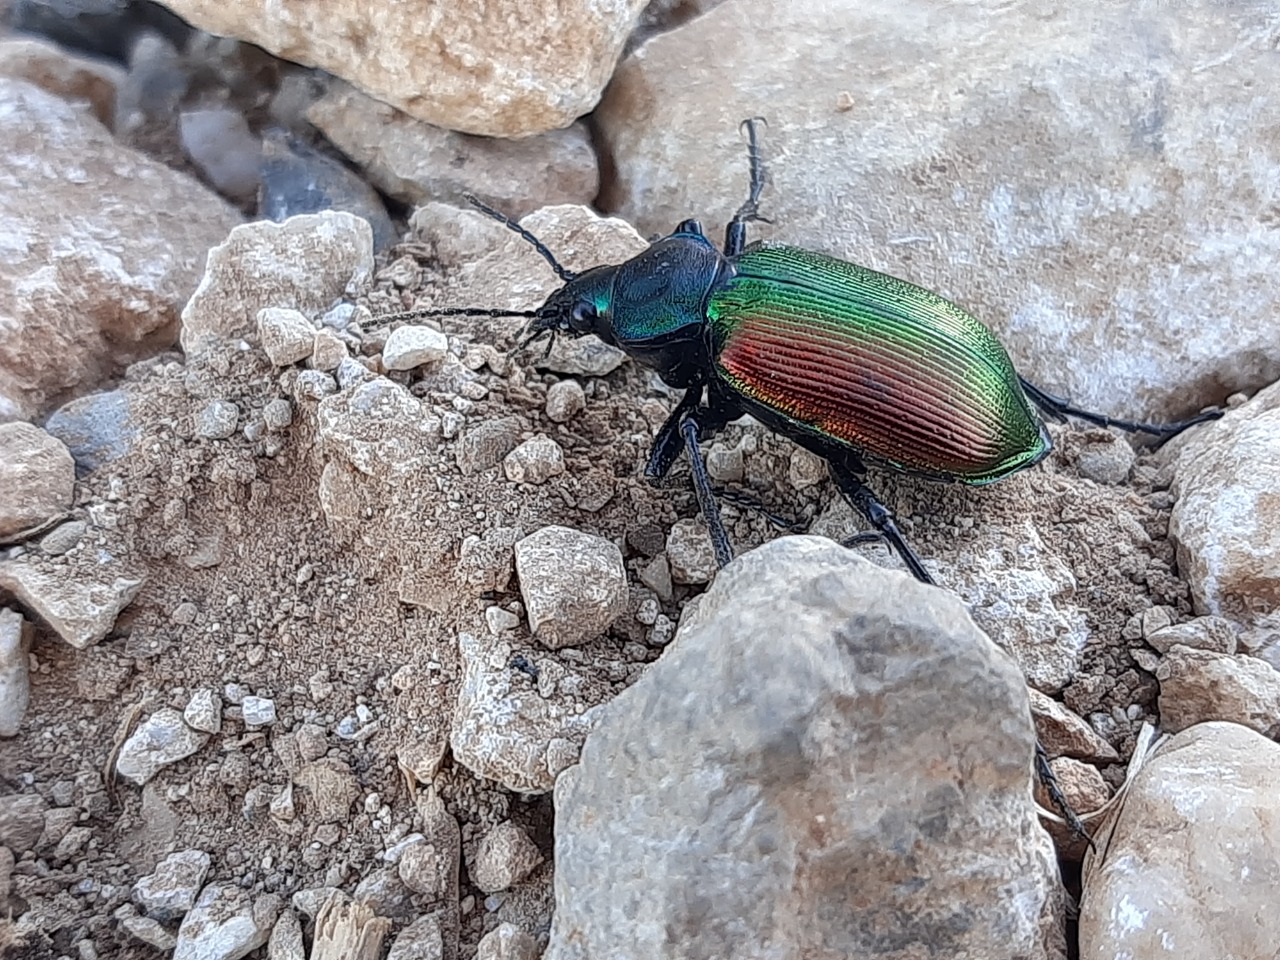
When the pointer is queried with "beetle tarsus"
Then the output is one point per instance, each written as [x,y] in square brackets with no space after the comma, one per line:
[740,499]
[735,234]
[1050,781]
[1059,409]
[706,496]
[879,516]
[863,539]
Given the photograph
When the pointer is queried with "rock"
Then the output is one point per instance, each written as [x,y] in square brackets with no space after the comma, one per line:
[285,334]
[6,873]
[484,445]
[37,478]
[309,901]
[1063,733]
[1107,459]
[277,415]
[573,585]
[217,420]
[967,179]
[420,940]
[417,163]
[204,711]
[258,711]
[503,728]
[286,939]
[535,461]
[724,463]
[504,857]
[332,786]
[160,740]
[151,932]
[507,942]
[315,385]
[379,428]
[223,148]
[500,621]
[72,844]
[63,538]
[56,70]
[657,577]
[805,469]
[581,357]
[1226,521]
[1200,685]
[486,562]
[873,682]
[81,612]
[1202,633]
[421,870]
[298,180]
[1085,791]
[1021,593]
[15,662]
[97,428]
[507,71]
[1186,869]
[347,929]
[304,264]
[386,895]
[21,821]
[328,350]
[565,400]
[168,892]
[689,552]
[97,277]
[412,346]
[225,924]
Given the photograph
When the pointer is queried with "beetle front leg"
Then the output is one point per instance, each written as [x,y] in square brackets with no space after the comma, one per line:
[668,443]
[879,516]
[1059,409]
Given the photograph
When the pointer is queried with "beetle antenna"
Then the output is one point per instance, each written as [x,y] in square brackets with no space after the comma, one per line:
[457,312]
[502,218]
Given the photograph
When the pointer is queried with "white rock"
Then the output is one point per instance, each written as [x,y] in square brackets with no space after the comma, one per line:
[535,461]
[258,711]
[328,350]
[412,346]
[379,428]
[690,553]
[285,334]
[225,924]
[37,478]
[168,892]
[573,585]
[217,420]
[15,680]
[81,611]
[507,942]
[163,738]
[277,414]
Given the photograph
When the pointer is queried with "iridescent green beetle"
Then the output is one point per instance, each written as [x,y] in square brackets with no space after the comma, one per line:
[851,364]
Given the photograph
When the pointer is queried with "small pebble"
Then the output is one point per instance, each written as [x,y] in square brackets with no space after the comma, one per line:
[286,335]
[504,857]
[217,420]
[689,551]
[500,620]
[414,345]
[63,537]
[507,942]
[204,711]
[258,711]
[565,400]
[278,414]
[328,350]
[724,463]
[314,385]
[534,461]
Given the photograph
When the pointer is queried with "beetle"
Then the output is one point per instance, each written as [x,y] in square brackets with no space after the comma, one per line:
[854,365]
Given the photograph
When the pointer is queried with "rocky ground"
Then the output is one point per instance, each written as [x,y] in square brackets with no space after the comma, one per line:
[327,634]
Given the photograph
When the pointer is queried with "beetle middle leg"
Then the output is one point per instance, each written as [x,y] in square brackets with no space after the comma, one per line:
[879,516]
[1059,409]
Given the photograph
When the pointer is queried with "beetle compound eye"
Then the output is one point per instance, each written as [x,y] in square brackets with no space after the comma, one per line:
[583,314]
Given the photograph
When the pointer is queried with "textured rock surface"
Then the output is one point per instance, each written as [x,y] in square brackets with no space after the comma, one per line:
[1192,862]
[163,738]
[573,585]
[1049,170]
[103,247]
[1226,522]
[97,428]
[225,924]
[15,679]
[418,162]
[863,728]
[506,69]
[81,611]
[169,891]
[62,73]
[1200,685]
[504,857]
[305,263]
[37,478]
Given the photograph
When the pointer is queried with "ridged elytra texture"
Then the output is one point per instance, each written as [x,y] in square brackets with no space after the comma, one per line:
[873,361]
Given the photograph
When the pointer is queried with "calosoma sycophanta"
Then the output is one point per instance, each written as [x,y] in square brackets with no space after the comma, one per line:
[851,364]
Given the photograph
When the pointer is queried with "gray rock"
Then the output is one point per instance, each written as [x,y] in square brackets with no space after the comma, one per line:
[581,357]
[1202,633]
[258,711]
[98,278]
[225,924]
[1003,193]
[163,738]
[1200,685]
[418,163]
[277,414]
[420,940]
[379,428]
[1106,460]
[314,385]
[328,350]
[852,754]
[285,942]
[223,148]
[495,71]
[421,870]
[507,942]
[37,478]
[1189,866]
[15,663]
[386,894]
[21,821]
[565,400]
[151,932]
[217,420]
[504,857]
[504,729]
[689,552]
[484,445]
[573,585]
[81,611]
[204,711]
[97,428]
[414,345]
[168,892]
[724,463]
[305,264]
[1226,521]
[535,461]
[63,538]
[285,334]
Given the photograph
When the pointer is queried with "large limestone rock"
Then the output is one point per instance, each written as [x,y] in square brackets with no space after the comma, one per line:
[1192,863]
[1088,180]
[832,761]
[509,68]
[103,247]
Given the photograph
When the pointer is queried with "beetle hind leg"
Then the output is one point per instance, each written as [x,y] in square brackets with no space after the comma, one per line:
[1059,409]
[735,234]
[880,517]
[706,495]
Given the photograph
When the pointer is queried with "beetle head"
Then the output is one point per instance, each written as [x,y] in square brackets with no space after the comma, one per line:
[583,305]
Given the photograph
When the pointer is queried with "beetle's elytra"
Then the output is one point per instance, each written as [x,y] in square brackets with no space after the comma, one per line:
[852,364]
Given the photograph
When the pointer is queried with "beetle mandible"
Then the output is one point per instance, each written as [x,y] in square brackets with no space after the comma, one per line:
[854,365]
